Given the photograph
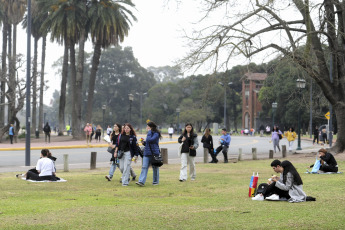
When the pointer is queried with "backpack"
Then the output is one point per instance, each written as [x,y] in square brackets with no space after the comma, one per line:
[46,129]
[261,188]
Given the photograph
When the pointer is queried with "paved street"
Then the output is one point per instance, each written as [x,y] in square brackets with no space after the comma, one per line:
[79,154]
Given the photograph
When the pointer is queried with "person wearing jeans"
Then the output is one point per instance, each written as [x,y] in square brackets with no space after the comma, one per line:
[151,147]
[188,152]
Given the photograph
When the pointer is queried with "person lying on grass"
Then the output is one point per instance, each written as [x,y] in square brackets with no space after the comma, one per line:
[288,186]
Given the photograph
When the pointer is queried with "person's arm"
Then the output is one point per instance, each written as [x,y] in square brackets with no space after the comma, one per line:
[211,141]
[203,139]
[288,184]
[152,137]
[326,158]
[180,139]
[134,147]
[196,142]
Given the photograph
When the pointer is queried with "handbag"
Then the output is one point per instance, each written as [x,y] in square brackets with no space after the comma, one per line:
[156,159]
[120,154]
[111,150]
[179,150]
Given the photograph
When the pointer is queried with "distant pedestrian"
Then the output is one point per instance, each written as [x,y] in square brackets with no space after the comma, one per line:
[316,135]
[291,136]
[276,136]
[170,131]
[188,152]
[109,130]
[68,129]
[88,130]
[207,141]
[47,131]
[324,135]
[11,133]
[114,137]
[98,133]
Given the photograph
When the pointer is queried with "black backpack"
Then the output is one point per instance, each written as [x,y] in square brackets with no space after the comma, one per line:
[46,129]
[261,188]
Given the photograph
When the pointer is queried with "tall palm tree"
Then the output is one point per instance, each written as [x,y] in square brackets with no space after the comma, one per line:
[109,23]
[3,10]
[65,19]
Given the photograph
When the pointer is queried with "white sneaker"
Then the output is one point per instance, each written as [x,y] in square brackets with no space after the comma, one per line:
[273,197]
[258,197]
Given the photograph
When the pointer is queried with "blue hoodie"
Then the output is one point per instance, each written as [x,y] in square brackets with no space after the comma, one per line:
[226,138]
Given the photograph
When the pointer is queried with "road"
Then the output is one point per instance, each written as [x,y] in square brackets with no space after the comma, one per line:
[80,158]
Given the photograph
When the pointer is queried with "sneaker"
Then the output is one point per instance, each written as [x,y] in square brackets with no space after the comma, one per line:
[258,197]
[182,180]
[133,178]
[125,185]
[154,184]
[273,197]
[108,178]
[139,183]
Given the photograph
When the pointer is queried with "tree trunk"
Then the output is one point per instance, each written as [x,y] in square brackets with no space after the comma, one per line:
[77,131]
[63,90]
[43,59]
[12,79]
[3,73]
[95,62]
[73,80]
[34,88]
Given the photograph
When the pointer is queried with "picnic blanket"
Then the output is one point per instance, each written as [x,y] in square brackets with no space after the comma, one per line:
[322,172]
[61,180]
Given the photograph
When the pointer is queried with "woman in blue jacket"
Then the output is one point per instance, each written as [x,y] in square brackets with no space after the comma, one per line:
[128,145]
[151,147]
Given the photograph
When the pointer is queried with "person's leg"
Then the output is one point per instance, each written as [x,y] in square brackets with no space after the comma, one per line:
[218,150]
[48,137]
[112,169]
[133,175]
[327,168]
[183,171]
[278,145]
[225,153]
[45,136]
[32,176]
[11,139]
[155,175]
[144,169]
[214,158]
[192,171]
[272,189]
[126,168]
[274,145]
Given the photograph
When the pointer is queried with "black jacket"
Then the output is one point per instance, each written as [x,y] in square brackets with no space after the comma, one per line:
[329,159]
[207,142]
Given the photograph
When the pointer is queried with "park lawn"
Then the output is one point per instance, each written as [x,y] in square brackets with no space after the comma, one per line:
[217,199]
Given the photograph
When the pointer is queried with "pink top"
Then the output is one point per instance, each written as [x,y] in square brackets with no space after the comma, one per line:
[88,130]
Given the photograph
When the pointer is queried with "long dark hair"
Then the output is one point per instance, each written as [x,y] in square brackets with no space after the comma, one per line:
[132,130]
[185,131]
[120,129]
[153,127]
[289,168]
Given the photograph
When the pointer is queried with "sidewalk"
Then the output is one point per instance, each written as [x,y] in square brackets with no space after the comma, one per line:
[60,142]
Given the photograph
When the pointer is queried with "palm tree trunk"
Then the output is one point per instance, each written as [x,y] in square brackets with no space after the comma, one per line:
[77,132]
[43,59]
[95,62]
[34,88]
[73,80]
[3,72]
[63,89]
[12,79]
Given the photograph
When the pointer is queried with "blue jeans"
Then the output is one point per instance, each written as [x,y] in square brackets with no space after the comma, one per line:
[145,169]
[112,169]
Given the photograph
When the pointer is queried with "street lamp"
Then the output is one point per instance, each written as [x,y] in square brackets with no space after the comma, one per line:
[104,107]
[178,110]
[229,84]
[131,98]
[300,83]
[141,111]
[274,107]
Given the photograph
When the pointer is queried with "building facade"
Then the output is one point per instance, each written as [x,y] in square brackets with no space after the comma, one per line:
[251,107]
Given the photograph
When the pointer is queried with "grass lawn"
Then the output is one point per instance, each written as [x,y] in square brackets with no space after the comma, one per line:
[217,199]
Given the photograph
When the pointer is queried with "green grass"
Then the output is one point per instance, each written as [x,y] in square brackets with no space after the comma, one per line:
[216,200]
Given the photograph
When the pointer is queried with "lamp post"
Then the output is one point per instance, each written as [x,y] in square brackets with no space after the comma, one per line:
[300,83]
[131,98]
[104,107]
[229,84]
[141,111]
[178,110]
[274,107]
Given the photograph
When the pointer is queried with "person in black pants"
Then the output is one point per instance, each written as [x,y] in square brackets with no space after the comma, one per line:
[328,162]
[207,141]
[316,135]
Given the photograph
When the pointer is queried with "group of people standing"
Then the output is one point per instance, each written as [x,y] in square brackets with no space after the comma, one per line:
[90,131]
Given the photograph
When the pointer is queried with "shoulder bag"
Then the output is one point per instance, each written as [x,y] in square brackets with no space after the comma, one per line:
[111,150]
[156,159]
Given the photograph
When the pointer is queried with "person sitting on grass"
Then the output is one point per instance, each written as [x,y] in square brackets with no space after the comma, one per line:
[288,186]
[45,168]
[328,162]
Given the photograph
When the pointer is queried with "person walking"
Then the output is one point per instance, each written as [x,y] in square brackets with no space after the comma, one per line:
[127,144]
[291,136]
[47,131]
[88,131]
[276,136]
[188,152]
[207,142]
[98,133]
[324,135]
[11,133]
[170,131]
[225,140]
[316,135]
[151,147]
[114,137]
[109,130]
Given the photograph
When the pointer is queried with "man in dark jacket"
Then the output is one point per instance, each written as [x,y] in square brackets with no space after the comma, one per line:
[47,132]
